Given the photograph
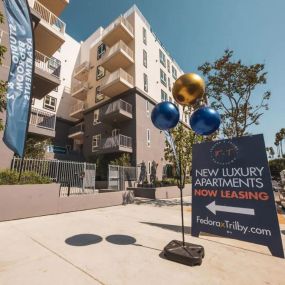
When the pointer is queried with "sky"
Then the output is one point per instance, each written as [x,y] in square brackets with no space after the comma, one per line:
[196,31]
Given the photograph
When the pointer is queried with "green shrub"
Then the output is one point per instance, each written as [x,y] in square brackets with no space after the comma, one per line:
[8,177]
[276,166]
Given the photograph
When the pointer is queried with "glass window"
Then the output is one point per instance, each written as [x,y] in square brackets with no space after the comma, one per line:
[100,73]
[174,72]
[144,36]
[162,57]
[149,167]
[148,137]
[169,86]
[147,108]
[163,96]
[163,77]
[145,82]
[96,117]
[98,96]
[144,58]
[101,50]
[49,103]
[168,65]
[96,142]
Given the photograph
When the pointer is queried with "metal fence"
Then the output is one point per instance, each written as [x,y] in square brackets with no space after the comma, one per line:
[75,178]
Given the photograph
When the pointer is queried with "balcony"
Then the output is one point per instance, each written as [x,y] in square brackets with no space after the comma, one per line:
[119,143]
[116,83]
[81,72]
[77,110]
[117,111]
[55,6]
[77,132]
[120,29]
[79,91]
[42,123]
[47,75]
[49,33]
[118,56]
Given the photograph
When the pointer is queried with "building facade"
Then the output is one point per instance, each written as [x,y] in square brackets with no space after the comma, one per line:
[95,98]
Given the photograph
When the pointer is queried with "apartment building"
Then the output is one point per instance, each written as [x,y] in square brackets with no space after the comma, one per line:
[123,70]
[54,63]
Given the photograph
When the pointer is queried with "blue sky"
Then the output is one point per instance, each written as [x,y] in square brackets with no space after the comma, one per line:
[197,31]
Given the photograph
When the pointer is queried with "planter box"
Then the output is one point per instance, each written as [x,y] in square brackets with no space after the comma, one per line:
[167,192]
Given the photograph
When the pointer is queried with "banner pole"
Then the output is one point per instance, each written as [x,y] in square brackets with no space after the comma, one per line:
[31,95]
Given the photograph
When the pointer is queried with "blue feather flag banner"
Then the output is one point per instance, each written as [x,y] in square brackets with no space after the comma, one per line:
[20,76]
[170,140]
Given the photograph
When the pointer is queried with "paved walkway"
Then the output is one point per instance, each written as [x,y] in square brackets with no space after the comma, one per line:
[122,245]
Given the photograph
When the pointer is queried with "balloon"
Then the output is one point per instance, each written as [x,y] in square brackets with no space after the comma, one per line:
[188,88]
[165,115]
[205,121]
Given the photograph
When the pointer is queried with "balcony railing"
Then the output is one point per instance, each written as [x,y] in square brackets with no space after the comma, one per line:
[42,119]
[117,106]
[115,141]
[78,86]
[76,129]
[83,66]
[50,65]
[49,17]
[118,74]
[120,45]
[118,21]
[78,107]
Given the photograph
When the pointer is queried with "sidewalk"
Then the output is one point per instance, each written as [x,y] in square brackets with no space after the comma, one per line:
[122,245]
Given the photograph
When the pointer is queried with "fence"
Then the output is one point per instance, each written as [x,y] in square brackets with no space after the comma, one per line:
[74,177]
[42,119]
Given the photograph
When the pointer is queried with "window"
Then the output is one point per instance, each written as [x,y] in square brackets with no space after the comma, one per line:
[96,117]
[145,83]
[144,58]
[147,108]
[33,101]
[98,96]
[50,103]
[168,65]
[54,66]
[148,137]
[174,72]
[162,57]
[96,142]
[144,36]
[100,51]
[149,167]
[163,96]
[169,86]
[163,77]
[100,73]
[55,89]
[115,132]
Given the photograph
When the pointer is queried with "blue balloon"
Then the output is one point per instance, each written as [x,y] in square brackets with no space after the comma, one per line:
[165,115]
[205,121]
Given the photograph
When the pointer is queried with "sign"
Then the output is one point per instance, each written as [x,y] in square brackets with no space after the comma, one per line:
[20,75]
[232,194]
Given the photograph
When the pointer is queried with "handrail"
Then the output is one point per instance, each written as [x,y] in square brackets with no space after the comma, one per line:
[76,129]
[49,17]
[116,106]
[50,65]
[79,106]
[82,66]
[119,20]
[114,141]
[79,85]
[119,73]
[42,119]
[119,45]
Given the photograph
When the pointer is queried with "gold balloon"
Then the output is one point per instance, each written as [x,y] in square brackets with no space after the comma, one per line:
[188,88]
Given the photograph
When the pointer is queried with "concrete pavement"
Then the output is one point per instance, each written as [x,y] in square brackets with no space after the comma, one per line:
[121,245]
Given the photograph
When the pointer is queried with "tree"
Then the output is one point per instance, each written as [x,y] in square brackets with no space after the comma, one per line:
[279,138]
[270,152]
[3,84]
[184,139]
[123,160]
[230,86]
[36,147]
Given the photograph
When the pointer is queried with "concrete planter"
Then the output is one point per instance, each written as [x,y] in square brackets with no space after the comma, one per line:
[167,192]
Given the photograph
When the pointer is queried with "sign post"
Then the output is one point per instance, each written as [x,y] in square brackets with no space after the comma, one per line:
[232,192]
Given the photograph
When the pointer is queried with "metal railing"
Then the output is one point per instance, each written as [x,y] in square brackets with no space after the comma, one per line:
[118,21]
[49,17]
[116,141]
[74,177]
[76,129]
[117,106]
[83,66]
[120,45]
[118,74]
[78,86]
[50,65]
[42,119]
[78,107]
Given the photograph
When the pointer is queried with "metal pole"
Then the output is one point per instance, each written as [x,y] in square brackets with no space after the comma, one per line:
[181,186]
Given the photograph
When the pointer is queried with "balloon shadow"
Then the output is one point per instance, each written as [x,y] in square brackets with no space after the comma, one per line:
[83,240]
[121,239]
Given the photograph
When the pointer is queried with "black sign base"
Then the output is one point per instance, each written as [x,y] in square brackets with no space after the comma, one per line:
[189,254]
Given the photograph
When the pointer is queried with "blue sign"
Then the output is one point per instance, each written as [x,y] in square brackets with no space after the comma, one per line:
[232,194]
[20,76]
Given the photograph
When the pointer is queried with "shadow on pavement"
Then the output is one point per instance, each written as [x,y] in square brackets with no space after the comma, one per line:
[83,240]
[121,239]
[161,203]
